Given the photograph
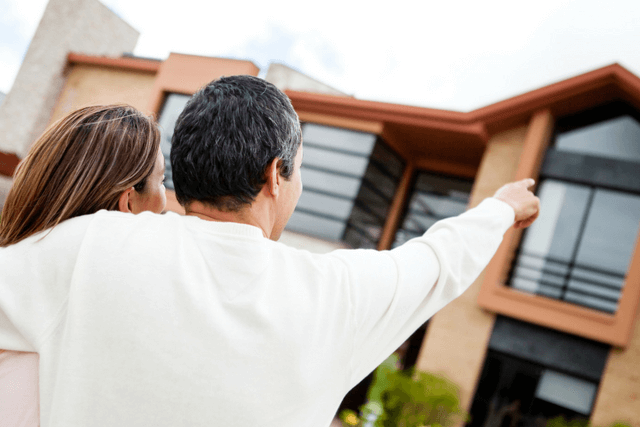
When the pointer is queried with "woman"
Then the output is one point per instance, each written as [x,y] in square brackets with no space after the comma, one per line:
[99,157]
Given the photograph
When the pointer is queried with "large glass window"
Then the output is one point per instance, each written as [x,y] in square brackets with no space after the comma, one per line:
[533,374]
[376,193]
[173,105]
[580,248]
[349,180]
[434,197]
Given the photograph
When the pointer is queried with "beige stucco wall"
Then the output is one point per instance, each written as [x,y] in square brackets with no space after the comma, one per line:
[82,26]
[457,337]
[91,85]
[619,393]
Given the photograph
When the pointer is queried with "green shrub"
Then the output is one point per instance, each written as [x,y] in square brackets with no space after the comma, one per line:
[407,399]
[561,422]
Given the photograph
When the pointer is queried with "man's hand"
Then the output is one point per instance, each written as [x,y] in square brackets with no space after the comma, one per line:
[523,201]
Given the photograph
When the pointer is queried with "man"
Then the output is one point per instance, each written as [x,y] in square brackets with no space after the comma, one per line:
[204,319]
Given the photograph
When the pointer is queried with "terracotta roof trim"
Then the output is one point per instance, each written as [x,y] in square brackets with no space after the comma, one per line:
[122,63]
[520,107]
[345,102]
[219,58]
[539,98]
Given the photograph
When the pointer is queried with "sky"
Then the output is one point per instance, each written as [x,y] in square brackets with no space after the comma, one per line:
[452,55]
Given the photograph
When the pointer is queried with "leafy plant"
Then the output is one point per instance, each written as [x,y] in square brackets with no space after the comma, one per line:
[561,422]
[399,398]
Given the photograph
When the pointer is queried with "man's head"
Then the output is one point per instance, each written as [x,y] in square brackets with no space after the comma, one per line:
[226,137]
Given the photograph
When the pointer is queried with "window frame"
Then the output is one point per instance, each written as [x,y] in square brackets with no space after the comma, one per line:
[615,329]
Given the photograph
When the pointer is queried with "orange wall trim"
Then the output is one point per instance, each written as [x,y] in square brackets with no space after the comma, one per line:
[446,167]
[565,97]
[124,63]
[562,98]
[8,163]
[439,120]
[495,296]
[394,215]
[341,122]
[187,73]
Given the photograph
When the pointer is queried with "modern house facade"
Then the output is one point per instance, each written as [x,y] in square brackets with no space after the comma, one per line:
[551,327]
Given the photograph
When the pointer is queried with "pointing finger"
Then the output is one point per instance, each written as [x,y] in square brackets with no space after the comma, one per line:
[529,182]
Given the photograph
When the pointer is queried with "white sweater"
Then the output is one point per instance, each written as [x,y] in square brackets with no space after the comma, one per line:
[165,320]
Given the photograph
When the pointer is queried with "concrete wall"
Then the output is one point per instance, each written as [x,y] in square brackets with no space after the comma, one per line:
[457,337]
[91,85]
[84,26]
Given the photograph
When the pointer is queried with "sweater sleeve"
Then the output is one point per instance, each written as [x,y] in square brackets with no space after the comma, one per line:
[35,283]
[394,292]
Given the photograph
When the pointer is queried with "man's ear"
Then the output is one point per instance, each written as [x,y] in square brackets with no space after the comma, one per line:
[124,202]
[273,177]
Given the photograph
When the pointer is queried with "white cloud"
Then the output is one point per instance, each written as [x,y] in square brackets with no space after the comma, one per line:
[459,54]
[24,14]
[11,60]
[18,23]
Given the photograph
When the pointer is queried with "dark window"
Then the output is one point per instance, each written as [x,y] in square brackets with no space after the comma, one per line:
[434,197]
[174,103]
[532,374]
[615,134]
[349,180]
[374,198]
[580,248]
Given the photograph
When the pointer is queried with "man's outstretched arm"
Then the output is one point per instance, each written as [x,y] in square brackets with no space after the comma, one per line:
[394,292]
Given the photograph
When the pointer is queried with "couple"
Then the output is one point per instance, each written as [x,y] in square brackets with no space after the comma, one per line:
[205,319]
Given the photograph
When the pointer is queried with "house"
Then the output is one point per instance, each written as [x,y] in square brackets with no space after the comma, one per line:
[551,327]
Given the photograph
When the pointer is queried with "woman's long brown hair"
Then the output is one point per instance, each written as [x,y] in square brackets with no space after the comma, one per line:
[81,164]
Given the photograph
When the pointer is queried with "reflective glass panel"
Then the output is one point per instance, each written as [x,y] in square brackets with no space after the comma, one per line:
[617,138]
[173,106]
[580,247]
[375,196]
[349,180]
[434,198]
[566,391]
[339,139]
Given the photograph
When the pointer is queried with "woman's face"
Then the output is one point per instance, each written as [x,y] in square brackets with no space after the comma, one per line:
[153,198]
